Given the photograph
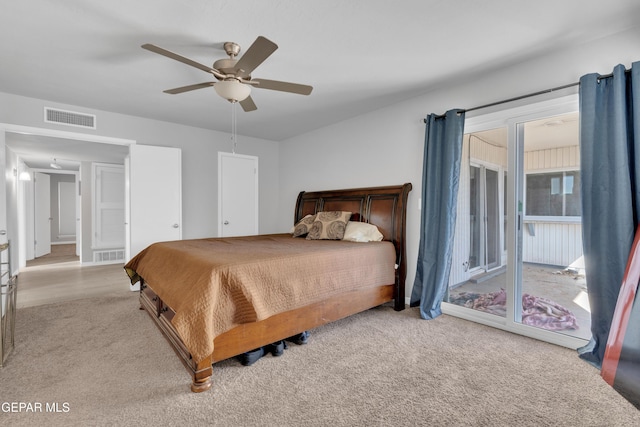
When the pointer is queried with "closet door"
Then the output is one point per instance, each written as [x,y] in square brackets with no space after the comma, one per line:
[237,195]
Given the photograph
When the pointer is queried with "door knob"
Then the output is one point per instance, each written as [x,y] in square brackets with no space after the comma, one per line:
[226,223]
[175,225]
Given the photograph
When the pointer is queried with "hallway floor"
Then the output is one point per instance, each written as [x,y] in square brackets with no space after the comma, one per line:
[60,277]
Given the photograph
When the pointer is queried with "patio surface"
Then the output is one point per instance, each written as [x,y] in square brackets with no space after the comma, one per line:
[565,287]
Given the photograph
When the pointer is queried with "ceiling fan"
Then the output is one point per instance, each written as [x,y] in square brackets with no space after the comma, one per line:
[233,74]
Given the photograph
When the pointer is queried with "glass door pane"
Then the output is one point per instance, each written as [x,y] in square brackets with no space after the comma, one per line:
[478,279]
[553,286]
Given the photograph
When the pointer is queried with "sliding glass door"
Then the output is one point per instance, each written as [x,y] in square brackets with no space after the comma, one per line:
[517,262]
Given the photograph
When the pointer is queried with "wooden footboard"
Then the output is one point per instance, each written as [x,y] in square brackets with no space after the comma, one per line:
[162,315]
[253,335]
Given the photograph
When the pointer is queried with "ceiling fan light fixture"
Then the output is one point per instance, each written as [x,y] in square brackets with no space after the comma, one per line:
[232,90]
[234,74]
[55,165]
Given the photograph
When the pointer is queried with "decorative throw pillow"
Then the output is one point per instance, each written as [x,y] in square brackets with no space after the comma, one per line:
[362,232]
[303,226]
[329,225]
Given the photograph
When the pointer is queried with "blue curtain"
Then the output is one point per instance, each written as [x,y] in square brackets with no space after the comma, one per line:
[610,176]
[440,177]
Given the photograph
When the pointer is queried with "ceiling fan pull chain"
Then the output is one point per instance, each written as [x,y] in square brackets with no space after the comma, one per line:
[234,127]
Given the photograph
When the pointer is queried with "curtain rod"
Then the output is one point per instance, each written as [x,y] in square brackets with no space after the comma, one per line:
[517,98]
[529,95]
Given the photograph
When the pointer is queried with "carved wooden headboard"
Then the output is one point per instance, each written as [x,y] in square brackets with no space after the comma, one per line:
[384,207]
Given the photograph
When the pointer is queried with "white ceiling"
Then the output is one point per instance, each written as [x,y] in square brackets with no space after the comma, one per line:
[359,55]
[543,134]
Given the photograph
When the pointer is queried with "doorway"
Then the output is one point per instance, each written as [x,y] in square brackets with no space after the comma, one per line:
[32,149]
[51,198]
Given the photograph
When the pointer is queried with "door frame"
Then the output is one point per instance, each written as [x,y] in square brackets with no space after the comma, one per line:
[26,212]
[512,118]
[13,234]
[483,222]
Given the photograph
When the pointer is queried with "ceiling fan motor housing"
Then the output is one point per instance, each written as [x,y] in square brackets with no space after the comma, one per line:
[227,66]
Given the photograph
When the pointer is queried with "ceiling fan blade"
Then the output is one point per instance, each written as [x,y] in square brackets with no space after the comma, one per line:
[260,50]
[169,54]
[283,86]
[188,88]
[247,104]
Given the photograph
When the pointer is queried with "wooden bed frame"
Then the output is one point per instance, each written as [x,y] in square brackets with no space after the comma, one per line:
[384,207]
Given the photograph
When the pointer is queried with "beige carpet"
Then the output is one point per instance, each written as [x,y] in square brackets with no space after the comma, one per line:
[103,362]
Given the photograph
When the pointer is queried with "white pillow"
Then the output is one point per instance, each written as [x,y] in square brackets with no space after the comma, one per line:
[362,232]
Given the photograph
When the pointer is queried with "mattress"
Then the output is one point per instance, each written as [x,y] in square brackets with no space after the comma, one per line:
[215,284]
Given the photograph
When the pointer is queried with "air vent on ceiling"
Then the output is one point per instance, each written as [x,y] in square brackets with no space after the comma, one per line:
[69,118]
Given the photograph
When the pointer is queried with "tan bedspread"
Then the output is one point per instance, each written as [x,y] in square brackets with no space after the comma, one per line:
[216,284]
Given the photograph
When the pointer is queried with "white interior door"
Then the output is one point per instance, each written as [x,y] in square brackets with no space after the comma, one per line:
[78,213]
[237,195]
[154,199]
[67,209]
[108,206]
[42,214]
[3,209]
[3,191]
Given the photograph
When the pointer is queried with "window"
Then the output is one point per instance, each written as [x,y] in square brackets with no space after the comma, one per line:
[553,194]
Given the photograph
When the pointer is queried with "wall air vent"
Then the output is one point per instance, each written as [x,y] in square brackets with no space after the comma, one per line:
[69,118]
[114,256]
